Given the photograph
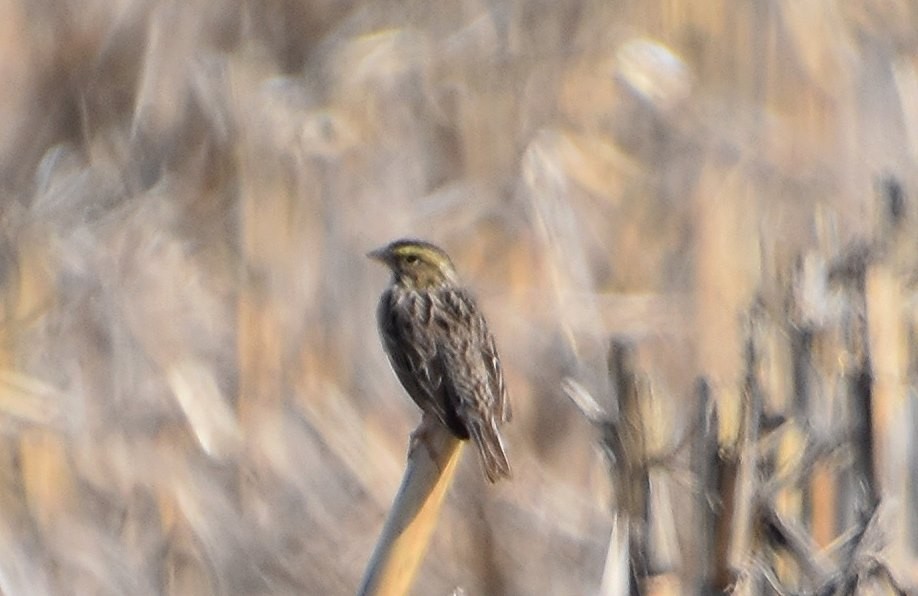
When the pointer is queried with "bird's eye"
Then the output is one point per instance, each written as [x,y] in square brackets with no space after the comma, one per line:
[411,259]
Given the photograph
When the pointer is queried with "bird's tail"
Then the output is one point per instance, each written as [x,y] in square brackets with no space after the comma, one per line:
[491,449]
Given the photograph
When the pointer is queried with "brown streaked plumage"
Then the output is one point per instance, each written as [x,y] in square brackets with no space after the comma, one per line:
[441,349]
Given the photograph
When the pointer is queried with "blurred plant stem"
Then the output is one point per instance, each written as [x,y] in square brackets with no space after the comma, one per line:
[432,459]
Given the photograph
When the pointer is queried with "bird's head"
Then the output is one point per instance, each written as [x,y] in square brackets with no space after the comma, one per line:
[416,264]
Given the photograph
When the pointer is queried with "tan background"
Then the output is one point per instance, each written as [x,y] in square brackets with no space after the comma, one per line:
[193,399]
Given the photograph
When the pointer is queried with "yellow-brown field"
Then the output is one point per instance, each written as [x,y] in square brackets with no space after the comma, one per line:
[692,226]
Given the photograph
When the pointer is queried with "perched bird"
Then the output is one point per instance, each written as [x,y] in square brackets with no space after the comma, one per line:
[441,350]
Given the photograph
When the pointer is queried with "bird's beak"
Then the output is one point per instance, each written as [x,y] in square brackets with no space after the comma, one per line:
[380,254]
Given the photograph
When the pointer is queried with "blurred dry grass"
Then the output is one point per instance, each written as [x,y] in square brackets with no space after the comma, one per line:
[192,394]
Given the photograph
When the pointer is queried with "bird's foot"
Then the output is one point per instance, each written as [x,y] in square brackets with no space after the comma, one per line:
[425,435]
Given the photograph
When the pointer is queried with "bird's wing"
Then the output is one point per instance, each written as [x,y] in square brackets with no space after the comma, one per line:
[496,375]
[414,355]
[475,380]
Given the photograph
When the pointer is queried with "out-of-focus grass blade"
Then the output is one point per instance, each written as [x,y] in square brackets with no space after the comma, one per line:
[24,398]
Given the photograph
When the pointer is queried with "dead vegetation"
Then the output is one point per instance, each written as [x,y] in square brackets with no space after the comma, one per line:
[697,219]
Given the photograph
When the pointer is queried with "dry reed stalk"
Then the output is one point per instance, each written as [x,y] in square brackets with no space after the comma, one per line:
[643,549]
[49,487]
[616,574]
[705,461]
[885,297]
[432,460]
[726,279]
[741,536]
[792,443]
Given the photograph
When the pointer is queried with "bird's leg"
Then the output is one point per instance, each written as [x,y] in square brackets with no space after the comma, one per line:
[422,435]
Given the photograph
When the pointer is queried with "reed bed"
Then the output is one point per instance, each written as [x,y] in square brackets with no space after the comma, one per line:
[692,227]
